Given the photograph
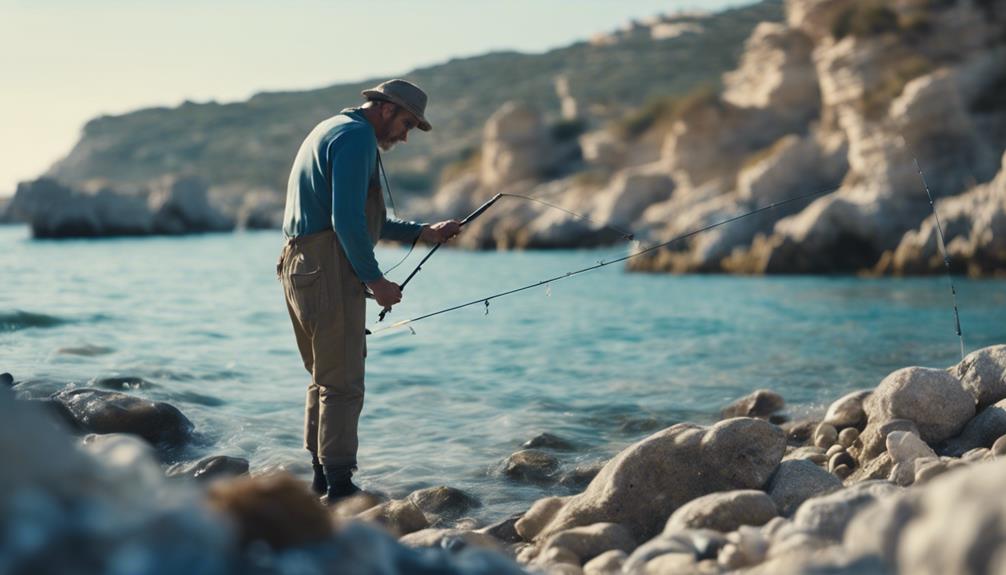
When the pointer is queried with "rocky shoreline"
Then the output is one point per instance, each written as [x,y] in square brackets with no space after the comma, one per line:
[902,478]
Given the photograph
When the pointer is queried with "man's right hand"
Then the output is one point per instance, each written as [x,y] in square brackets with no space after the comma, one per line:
[385,292]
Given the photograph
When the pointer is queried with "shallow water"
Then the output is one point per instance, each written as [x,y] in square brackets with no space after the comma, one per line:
[604,359]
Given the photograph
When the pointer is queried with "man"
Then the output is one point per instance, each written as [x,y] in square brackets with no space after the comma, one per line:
[334,215]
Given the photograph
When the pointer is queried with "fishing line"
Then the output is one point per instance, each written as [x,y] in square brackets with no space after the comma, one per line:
[387,185]
[943,250]
[485,300]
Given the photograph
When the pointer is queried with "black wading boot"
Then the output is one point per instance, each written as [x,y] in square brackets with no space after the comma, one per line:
[340,483]
[320,484]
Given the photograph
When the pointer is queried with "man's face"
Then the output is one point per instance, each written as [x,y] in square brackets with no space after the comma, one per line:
[397,126]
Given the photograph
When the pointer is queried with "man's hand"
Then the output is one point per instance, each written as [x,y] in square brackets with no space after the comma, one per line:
[385,292]
[440,232]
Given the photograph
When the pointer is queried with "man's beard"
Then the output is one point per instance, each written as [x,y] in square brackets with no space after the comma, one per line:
[387,145]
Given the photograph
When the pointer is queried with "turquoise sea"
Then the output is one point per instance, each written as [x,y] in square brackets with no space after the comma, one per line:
[601,359]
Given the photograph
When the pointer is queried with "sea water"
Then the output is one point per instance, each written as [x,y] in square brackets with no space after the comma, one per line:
[601,359]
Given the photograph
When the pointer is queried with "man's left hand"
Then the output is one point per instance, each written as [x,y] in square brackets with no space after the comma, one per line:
[440,232]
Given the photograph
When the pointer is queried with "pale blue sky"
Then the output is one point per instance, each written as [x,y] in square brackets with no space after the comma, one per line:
[65,61]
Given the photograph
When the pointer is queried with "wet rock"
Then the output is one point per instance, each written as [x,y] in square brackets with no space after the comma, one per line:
[796,481]
[607,563]
[724,511]
[646,482]
[530,465]
[548,441]
[933,399]
[827,516]
[761,403]
[983,374]
[847,411]
[97,411]
[825,435]
[400,517]
[540,514]
[505,530]
[211,468]
[580,475]
[355,504]
[277,509]
[592,540]
[6,380]
[443,502]
[982,431]
[127,383]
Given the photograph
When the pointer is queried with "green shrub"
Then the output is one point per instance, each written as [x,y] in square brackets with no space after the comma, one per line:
[664,110]
[875,102]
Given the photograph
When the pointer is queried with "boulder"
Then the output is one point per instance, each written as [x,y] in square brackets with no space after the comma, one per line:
[443,502]
[530,465]
[536,518]
[725,511]
[827,516]
[982,431]
[933,399]
[180,204]
[592,540]
[797,481]
[847,411]
[760,403]
[607,563]
[647,481]
[210,468]
[97,411]
[400,517]
[983,374]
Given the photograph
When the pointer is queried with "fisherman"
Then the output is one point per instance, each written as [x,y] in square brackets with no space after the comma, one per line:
[335,213]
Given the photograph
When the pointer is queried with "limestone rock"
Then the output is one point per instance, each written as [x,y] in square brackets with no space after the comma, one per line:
[400,517]
[592,540]
[796,481]
[827,516]
[536,518]
[932,398]
[97,411]
[847,411]
[646,482]
[630,192]
[760,403]
[982,431]
[725,511]
[983,374]
[515,145]
[607,563]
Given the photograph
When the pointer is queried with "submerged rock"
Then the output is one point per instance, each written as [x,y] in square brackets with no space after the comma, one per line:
[97,411]
[443,502]
[761,403]
[548,441]
[210,468]
[530,465]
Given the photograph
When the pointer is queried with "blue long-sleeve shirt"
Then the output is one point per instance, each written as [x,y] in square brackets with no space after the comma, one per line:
[344,146]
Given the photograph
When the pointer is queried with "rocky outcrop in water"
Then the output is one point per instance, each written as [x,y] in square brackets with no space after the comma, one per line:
[170,205]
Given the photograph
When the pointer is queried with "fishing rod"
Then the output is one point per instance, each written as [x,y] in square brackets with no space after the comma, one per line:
[485,300]
[943,250]
[477,213]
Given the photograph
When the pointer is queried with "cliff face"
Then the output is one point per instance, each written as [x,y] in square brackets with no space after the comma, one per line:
[250,145]
[846,95]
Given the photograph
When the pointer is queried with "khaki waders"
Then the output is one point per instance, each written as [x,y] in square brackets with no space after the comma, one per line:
[327,304]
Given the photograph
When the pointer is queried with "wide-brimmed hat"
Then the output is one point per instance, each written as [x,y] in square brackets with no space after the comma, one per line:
[405,94]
